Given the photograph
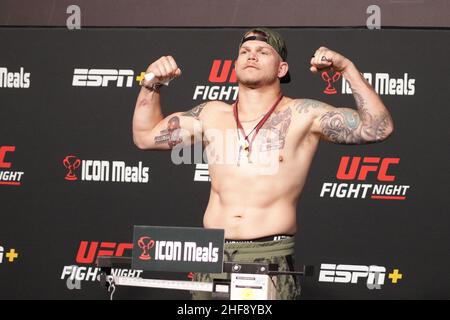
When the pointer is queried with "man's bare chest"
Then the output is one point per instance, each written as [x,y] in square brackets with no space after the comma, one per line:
[285,128]
[277,142]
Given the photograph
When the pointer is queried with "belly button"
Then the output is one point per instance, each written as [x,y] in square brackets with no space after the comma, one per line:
[280,158]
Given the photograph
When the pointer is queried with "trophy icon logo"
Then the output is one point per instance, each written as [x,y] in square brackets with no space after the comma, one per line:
[71,163]
[326,77]
[145,243]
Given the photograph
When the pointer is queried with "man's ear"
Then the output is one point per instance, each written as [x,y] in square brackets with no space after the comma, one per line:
[283,69]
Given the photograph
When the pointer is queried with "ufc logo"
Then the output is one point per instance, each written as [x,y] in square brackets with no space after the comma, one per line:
[101,77]
[227,72]
[89,251]
[3,151]
[357,169]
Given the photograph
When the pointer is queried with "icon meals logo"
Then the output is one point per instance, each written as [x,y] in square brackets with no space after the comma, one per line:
[17,80]
[104,171]
[329,80]
[176,251]
[386,84]
[145,243]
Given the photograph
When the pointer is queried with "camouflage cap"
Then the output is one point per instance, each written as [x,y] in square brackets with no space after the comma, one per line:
[274,39]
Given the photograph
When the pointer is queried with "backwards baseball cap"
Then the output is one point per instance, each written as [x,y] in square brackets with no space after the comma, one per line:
[274,39]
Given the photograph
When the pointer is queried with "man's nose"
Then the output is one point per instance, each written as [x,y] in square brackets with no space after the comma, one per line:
[252,56]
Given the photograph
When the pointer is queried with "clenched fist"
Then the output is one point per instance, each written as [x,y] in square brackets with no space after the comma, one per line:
[325,58]
[164,69]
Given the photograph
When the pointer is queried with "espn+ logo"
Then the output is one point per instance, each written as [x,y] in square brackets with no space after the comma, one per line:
[343,273]
[10,256]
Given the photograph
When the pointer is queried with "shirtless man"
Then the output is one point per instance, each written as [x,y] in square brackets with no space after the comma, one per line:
[258,211]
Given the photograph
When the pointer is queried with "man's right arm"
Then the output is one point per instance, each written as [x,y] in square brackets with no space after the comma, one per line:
[150,129]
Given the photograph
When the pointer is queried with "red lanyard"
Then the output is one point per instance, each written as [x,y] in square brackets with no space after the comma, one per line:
[258,126]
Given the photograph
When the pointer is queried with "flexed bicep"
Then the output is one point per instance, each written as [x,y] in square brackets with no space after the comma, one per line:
[178,128]
[347,125]
[341,125]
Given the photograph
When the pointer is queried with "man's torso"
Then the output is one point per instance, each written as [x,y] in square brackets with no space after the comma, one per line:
[256,196]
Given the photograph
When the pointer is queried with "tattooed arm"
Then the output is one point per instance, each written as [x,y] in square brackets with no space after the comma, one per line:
[152,131]
[371,122]
[346,125]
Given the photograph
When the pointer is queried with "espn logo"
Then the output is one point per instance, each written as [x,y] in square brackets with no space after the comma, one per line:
[344,273]
[102,77]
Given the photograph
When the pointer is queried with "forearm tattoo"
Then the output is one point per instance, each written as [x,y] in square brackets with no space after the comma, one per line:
[375,128]
[358,99]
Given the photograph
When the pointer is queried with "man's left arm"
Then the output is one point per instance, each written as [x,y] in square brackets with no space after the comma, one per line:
[371,122]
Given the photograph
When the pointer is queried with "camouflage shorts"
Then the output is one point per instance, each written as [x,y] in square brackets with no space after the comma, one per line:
[280,252]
